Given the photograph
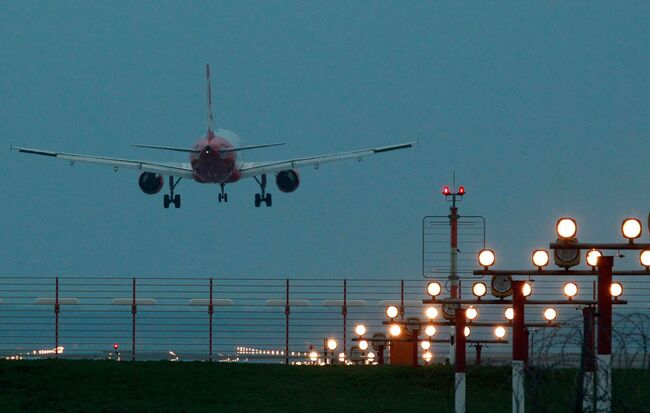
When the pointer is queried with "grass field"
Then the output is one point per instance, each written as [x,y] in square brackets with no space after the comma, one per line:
[104,386]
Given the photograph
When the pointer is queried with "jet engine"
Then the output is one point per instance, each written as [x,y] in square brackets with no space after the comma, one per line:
[150,183]
[287,180]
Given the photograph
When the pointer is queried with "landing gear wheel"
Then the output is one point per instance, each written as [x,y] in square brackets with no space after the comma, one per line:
[177,201]
[166,201]
[171,198]
[223,196]
[258,200]
[263,197]
[268,200]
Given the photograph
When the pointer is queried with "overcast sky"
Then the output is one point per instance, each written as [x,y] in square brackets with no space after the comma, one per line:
[541,108]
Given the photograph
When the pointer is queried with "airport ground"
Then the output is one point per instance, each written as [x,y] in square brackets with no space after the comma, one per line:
[105,386]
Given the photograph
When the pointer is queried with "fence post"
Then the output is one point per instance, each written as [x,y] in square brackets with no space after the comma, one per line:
[57,309]
[134,310]
[287,311]
[210,313]
[344,311]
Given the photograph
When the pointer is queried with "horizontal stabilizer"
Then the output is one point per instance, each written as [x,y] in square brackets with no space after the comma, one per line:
[168,148]
[245,148]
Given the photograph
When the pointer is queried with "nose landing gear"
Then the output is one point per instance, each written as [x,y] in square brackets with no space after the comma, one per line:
[223,197]
[263,197]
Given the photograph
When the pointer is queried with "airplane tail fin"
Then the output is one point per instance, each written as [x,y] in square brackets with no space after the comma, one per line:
[210,119]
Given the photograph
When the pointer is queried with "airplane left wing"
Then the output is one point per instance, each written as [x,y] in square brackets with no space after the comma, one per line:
[250,169]
[173,169]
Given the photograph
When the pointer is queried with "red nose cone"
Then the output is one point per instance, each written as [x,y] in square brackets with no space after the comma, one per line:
[445,190]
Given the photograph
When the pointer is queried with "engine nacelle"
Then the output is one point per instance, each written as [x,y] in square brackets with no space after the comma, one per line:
[288,180]
[150,183]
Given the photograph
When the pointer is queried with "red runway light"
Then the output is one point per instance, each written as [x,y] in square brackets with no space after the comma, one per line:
[445,190]
[461,190]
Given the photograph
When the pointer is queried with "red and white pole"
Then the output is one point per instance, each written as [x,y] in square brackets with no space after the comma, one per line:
[459,365]
[604,355]
[519,348]
[453,273]
[588,360]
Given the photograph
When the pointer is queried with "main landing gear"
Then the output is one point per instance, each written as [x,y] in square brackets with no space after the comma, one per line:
[263,197]
[171,198]
[223,197]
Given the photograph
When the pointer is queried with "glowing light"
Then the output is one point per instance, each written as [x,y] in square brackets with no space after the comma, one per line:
[341,357]
[370,356]
[526,289]
[500,332]
[570,289]
[360,329]
[644,258]
[395,330]
[445,190]
[479,289]
[461,190]
[540,258]
[592,257]
[486,258]
[434,289]
[467,331]
[550,314]
[427,356]
[430,331]
[331,344]
[431,312]
[426,345]
[616,289]
[566,228]
[392,311]
[313,356]
[363,345]
[631,228]
[471,313]
[509,313]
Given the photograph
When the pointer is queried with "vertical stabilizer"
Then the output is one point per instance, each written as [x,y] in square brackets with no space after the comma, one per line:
[210,121]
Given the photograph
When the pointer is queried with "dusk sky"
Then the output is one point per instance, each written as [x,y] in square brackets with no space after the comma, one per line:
[541,108]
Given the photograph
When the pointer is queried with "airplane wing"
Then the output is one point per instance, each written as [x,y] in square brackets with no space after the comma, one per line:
[250,169]
[173,169]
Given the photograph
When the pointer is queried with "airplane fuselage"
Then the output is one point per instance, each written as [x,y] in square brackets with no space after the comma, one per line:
[212,166]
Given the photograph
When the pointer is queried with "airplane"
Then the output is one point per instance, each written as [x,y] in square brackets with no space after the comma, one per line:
[213,160]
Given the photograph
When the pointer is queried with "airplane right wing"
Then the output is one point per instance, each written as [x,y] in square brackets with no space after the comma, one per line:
[250,169]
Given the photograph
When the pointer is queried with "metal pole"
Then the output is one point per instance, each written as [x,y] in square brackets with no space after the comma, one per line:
[287,311]
[453,274]
[604,357]
[479,347]
[459,365]
[210,313]
[134,310]
[57,309]
[588,360]
[519,349]
[344,312]
[401,305]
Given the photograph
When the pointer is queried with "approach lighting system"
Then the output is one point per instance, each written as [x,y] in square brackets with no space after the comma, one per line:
[446,191]
[592,257]
[501,286]
[479,289]
[540,259]
[430,331]
[431,312]
[471,313]
[500,332]
[616,289]
[360,329]
[427,356]
[486,258]
[434,289]
[331,344]
[550,314]
[467,332]
[426,345]
[341,357]
[392,311]
[566,228]
[631,228]
[395,330]
[313,356]
[570,289]
[509,313]
[413,325]
[526,289]
[644,258]
[363,345]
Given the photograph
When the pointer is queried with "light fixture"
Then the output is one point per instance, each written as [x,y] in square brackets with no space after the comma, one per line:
[566,228]
[331,344]
[427,356]
[431,312]
[616,289]
[471,313]
[540,258]
[644,258]
[434,289]
[486,258]
[592,257]
[363,345]
[370,356]
[500,332]
[479,289]
[313,356]
[550,314]
[426,345]
[392,311]
[430,331]
[467,332]
[360,329]
[631,228]
[570,289]
[395,330]
[509,313]
[526,289]
[341,357]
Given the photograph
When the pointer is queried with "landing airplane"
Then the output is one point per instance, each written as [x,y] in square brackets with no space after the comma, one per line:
[213,159]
